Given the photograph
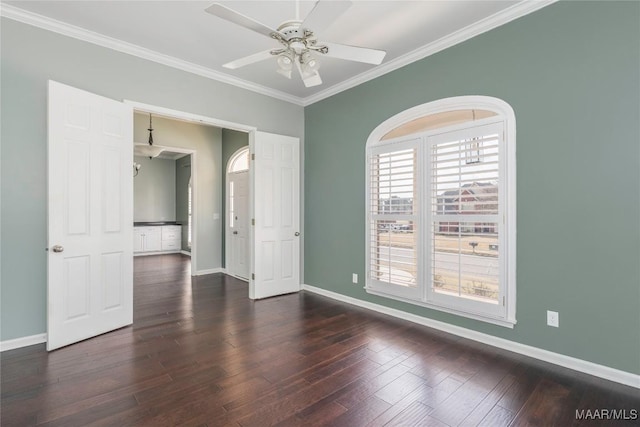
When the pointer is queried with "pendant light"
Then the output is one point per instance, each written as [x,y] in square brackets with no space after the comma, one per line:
[150,131]
[149,149]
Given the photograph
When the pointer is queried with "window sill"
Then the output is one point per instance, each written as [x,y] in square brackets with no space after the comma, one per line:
[493,320]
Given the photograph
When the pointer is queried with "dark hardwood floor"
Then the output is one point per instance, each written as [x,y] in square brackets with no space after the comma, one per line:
[201,353]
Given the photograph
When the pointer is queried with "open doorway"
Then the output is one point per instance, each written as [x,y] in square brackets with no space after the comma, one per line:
[164,201]
[209,142]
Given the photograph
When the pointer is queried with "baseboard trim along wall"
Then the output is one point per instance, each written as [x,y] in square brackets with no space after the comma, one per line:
[611,374]
[209,271]
[22,342]
[185,253]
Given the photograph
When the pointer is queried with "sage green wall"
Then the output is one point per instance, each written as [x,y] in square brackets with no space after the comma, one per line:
[207,142]
[232,141]
[571,72]
[154,190]
[30,56]
[183,174]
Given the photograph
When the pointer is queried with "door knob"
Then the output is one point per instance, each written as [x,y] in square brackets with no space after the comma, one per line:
[296,234]
[57,248]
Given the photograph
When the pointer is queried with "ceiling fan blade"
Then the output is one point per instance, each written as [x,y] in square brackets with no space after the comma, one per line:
[309,78]
[354,53]
[237,18]
[256,57]
[324,13]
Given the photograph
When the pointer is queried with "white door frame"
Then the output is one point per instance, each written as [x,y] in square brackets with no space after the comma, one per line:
[227,231]
[203,120]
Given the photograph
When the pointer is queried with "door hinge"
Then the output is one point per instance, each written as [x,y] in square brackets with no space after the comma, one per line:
[503,301]
[253,221]
[253,156]
[253,276]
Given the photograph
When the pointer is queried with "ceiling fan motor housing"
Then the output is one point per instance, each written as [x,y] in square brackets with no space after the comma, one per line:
[294,37]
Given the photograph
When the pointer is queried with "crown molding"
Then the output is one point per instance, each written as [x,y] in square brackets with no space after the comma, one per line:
[489,23]
[46,23]
[507,15]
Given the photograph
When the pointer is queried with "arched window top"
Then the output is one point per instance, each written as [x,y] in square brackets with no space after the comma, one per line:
[239,162]
[442,113]
[436,121]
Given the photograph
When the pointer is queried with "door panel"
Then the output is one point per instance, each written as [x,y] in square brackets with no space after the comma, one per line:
[112,272]
[276,185]
[90,215]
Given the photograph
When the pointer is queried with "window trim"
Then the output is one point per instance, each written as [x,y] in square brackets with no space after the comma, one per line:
[506,115]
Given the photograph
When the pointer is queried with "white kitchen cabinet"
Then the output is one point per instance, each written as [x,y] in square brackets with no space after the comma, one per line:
[148,240]
[138,239]
[171,237]
[152,239]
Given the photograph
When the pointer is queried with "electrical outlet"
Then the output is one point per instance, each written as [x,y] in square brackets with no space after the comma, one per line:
[354,278]
[553,318]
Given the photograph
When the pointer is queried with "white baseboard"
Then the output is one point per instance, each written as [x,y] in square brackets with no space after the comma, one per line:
[22,342]
[209,271]
[187,253]
[580,365]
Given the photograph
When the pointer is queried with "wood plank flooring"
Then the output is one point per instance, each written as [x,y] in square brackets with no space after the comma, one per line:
[201,353]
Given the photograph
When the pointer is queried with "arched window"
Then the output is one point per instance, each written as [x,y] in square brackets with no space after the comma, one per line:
[441,208]
[239,161]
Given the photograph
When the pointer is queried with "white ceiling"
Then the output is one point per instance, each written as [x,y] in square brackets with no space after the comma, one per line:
[406,30]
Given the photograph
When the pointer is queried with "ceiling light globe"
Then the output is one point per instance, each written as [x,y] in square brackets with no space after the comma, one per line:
[285,62]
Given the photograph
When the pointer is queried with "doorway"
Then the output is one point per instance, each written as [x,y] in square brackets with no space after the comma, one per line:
[165,201]
[90,284]
[237,235]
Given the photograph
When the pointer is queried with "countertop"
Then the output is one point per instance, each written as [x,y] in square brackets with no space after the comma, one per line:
[155,223]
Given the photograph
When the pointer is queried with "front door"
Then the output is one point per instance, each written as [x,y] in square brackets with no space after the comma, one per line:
[90,215]
[276,183]
[239,223]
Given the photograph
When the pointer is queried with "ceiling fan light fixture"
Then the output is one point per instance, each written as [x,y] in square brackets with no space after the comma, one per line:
[298,41]
[313,64]
[285,62]
[309,63]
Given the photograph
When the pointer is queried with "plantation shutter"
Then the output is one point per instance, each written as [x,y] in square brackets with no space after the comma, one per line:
[465,201]
[394,216]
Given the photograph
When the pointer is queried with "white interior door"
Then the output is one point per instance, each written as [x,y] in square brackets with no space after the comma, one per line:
[276,197]
[90,215]
[239,223]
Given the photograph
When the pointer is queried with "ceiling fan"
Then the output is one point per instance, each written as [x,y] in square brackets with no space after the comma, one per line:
[300,48]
